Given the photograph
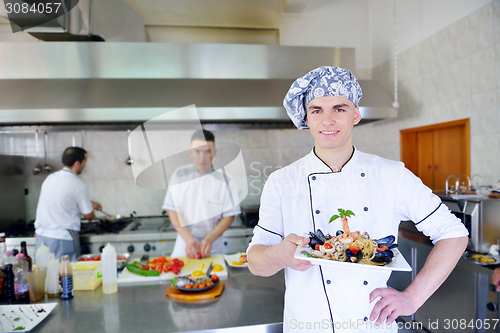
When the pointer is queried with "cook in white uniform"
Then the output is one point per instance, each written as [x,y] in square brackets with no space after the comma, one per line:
[304,195]
[64,198]
[200,201]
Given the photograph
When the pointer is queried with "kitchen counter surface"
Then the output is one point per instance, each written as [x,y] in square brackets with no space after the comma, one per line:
[247,300]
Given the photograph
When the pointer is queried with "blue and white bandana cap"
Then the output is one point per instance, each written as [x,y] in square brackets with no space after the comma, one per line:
[320,82]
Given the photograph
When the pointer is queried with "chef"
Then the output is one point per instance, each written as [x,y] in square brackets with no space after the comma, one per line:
[201,201]
[303,196]
[64,198]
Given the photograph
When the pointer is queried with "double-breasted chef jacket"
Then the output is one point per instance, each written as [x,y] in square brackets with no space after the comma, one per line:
[304,195]
[202,201]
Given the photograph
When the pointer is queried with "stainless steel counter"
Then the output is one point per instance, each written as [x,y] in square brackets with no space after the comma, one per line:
[246,301]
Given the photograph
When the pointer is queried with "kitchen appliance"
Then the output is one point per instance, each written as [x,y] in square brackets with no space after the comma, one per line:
[12,195]
[465,302]
[481,217]
[221,79]
[152,235]
[250,216]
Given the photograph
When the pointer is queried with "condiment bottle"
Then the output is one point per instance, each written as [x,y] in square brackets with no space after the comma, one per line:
[52,286]
[9,295]
[3,247]
[9,258]
[21,287]
[109,275]
[42,256]
[24,251]
[66,276]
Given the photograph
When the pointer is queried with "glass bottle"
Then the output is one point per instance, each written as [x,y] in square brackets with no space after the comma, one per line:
[24,251]
[66,277]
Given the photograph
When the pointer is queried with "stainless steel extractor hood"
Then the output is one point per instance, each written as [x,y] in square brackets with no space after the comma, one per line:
[57,82]
[85,20]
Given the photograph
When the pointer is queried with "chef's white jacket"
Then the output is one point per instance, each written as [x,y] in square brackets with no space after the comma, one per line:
[63,199]
[202,201]
[304,195]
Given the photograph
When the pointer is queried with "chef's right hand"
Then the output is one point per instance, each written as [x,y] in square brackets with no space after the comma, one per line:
[287,249]
[496,278]
[96,205]
[193,250]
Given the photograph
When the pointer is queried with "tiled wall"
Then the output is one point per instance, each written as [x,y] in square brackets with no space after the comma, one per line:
[454,74]
[110,180]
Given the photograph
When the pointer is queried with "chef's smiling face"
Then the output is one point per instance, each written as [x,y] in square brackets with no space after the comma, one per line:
[330,120]
[202,153]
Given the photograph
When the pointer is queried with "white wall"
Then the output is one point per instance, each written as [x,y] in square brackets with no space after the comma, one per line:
[110,181]
[453,74]
[416,20]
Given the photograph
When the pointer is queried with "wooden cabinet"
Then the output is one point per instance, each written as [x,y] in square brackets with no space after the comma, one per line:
[436,151]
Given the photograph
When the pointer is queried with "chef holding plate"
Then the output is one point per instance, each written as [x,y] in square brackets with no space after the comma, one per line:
[303,197]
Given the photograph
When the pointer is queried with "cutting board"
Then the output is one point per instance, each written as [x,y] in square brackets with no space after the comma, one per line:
[190,265]
[214,292]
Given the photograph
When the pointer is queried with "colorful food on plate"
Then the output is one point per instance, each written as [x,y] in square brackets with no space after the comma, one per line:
[192,282]
[156,266]
[243,260]
[350,246]
[483,259]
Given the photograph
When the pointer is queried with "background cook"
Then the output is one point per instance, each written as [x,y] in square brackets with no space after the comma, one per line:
[304,195]
[64,198]
[199,201]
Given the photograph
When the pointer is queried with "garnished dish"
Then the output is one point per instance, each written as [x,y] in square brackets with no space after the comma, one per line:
[156,266]
[347,246]
[237,259]
[198,281]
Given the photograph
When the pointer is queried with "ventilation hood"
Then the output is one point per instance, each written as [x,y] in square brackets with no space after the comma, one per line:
[85,20]
[84,83]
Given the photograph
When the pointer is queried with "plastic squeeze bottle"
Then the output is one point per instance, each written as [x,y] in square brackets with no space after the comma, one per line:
[66,276]
[109,276]
[42,256]
[52,281]
[21,287]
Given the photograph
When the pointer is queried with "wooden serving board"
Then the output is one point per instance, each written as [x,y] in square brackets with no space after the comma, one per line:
[212,293]
[190,265]
[494,195]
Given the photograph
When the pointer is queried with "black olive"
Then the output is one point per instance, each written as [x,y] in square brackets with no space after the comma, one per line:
[339,232]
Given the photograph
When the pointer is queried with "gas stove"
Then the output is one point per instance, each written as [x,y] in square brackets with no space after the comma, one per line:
[103,227]
[153,235]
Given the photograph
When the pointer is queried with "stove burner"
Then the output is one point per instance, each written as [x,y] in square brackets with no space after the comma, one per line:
[100,227]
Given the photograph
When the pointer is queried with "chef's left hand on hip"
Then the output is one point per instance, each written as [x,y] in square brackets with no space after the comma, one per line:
[390,305]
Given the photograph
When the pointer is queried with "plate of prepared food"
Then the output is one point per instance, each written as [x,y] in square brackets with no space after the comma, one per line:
[352,249]
[481,259]
[236,260]
[196,282]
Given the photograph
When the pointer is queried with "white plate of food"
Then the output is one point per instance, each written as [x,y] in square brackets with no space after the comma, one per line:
[236,260]
[398,262]
[352,249]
